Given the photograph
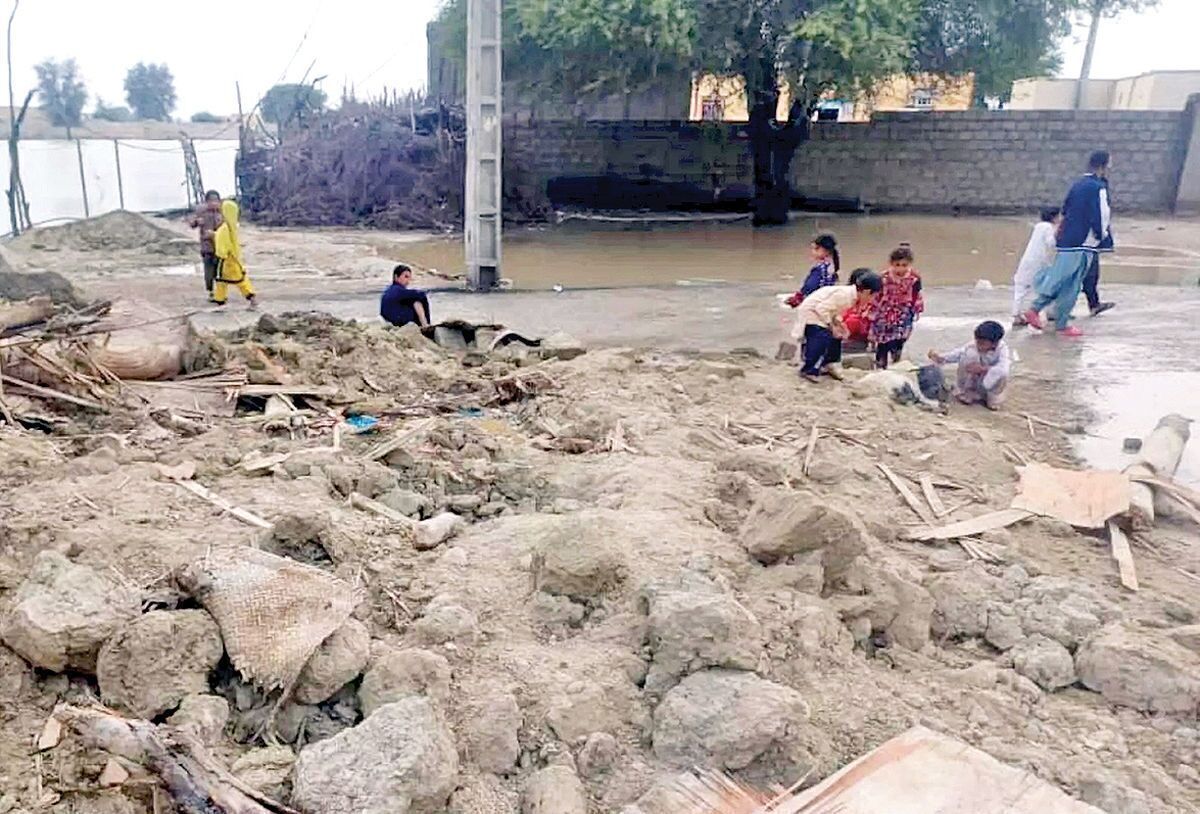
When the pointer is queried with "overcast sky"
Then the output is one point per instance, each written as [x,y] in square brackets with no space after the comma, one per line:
[374,44]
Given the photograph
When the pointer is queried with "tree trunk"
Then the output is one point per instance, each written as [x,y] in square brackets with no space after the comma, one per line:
[1088,53]
[774,145]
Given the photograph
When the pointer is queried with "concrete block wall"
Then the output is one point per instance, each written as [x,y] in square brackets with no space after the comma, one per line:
[980,161]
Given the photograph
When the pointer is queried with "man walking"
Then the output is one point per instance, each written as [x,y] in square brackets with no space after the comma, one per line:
[208,219]
[1085,233]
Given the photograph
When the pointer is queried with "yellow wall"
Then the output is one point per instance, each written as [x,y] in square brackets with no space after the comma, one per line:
[726,96]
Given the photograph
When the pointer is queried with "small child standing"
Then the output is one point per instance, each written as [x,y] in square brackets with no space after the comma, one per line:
[827,263]
[1038,255]
[983,366]
[896,308]
[231,270]
[819,323]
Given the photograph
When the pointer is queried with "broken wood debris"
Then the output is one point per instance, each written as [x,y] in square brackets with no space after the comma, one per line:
[1123,555]
[969,528]
[907,494]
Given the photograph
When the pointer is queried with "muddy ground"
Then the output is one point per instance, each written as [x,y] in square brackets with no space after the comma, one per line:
[647,580]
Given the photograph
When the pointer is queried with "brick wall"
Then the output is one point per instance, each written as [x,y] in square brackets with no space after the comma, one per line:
[970,161]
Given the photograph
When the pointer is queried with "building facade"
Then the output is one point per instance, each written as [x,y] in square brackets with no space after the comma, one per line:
[1159,90]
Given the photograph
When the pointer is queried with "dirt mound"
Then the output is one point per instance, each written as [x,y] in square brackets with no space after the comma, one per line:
[17,286]
[118,231]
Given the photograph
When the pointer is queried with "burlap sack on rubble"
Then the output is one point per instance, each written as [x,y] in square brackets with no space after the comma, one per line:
[144,352]
[273,612]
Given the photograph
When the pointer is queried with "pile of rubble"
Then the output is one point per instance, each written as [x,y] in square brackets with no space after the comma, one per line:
[368,572]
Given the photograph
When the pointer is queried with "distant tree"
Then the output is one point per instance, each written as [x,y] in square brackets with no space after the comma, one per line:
[112,113]
[62,91]
[150,91]
[204,117]
[284,103]
[1096,10]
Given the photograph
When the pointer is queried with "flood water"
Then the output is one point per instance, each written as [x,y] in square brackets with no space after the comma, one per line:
[950,251]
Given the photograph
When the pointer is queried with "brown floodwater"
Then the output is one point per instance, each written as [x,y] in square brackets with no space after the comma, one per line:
[949,250]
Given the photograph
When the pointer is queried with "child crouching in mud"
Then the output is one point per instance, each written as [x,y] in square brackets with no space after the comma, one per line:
[819,322]
[983,366]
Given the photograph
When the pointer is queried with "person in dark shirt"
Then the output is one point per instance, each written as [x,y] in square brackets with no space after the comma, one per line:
[400,304]
[208,219]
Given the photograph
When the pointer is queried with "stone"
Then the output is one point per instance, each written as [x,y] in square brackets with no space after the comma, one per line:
[153,662]
[691,628]
[407,502]
[726,720]
[339,660]
[1141,669]
[1044,662]
[598,755]
[582,708]
[447,622]
[888,594]
[1111,796]
[267,770]
[762,466]
[484,794]
[295,527]
[433,532]
[554,790]
[1004,630]
[403,674]
[400,760]
[493,722]
[1187,637]
[465,504]
[63,612]
[561,346]
[578,559]
[376,479]
[782,524]
[962,602]
[204,716]
[1062,610]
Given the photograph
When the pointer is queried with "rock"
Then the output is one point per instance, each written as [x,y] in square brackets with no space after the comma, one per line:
[1004,630]
[598,755]
[554,790]
[297,529]
[561,346]
[341,477]
[376,479]
[205,716]
[491,733]
[447,622]
[1061,609]
[1187,637]
[726,720]
[782,524]
[691,628]
[400,760]
[762,466]
[63,612]
[963,600]
[1140,669]
[484,794]
[266,770]
[152,663]
[1044,662]
[983,675]
[402,674]
[888,595]
[581,709]
[577,559]
[339,660]
[408,503]
[735,488]
[465,504]
[1113,797]
[437,530]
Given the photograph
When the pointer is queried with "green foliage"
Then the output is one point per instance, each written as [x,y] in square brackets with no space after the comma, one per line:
[856,43]
[150,91]
[62,91]
[112,113]
[1111,8]
[285,103]
[204,117]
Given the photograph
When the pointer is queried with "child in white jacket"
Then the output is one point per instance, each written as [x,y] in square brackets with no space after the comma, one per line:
[1038,254]
[984,366]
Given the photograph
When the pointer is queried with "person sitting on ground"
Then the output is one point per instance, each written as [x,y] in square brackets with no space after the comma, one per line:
[983,366]
[825,271]
[401,305]
[231,270]
[819,323]
[1039,254]
[208,219]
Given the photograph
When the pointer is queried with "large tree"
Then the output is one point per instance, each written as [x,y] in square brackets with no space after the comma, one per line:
[62,92]
[284,103]
[150,91]
[791,53]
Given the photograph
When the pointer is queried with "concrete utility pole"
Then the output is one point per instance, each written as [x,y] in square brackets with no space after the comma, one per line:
[484,143]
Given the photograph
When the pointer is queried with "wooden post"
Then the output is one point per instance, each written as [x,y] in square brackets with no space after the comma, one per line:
[87,210]
[120,182]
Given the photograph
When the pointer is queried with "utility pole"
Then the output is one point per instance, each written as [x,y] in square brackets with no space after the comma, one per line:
[1097,10]
[484,143]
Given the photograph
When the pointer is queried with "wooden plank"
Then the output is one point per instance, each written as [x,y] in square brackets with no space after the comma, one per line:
[907,494]
[46,392]
[320,391]
[401,438]
[1123,555]
[812,447]
[931,496]
[1085,499]
[230,508]
[969,528]
[360,501]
